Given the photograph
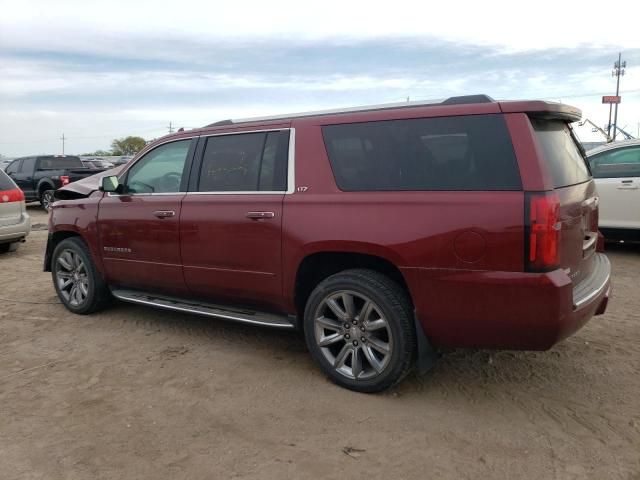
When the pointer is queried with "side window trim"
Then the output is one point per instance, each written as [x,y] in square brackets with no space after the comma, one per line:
[124,175]
[196,166]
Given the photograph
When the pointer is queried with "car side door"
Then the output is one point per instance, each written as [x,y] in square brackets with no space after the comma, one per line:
[232,218]
[617,176]
[25,177]
[14,170]
[139,228]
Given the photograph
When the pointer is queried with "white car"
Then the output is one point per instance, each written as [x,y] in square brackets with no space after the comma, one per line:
[15,223]
[616,169]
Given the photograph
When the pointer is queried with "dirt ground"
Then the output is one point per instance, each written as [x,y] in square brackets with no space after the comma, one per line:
[134,393]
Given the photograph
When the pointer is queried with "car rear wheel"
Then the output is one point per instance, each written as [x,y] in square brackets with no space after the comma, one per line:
[359,329]
[46,199]
[79,285]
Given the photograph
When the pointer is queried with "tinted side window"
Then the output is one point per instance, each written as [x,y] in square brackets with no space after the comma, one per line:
[160,170]
[449,153]
[5,182]
[562,154]
[245,162]
[57,163]
[624,162]
[13,167]
[28,165]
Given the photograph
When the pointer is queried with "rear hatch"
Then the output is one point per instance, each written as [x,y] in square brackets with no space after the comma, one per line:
[574,196]
[11,202]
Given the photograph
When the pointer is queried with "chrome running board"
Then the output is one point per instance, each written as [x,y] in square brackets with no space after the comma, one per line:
[207,309]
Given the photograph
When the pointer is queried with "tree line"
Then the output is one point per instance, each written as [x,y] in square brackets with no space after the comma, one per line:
[121,146]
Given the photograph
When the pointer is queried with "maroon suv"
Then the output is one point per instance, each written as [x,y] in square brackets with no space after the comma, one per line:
[382,232]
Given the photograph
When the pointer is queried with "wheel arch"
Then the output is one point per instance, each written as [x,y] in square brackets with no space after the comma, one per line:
[52,242]
[43,185]
[318,265]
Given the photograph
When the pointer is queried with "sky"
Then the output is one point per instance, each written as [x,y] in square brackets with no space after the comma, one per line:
[98,70]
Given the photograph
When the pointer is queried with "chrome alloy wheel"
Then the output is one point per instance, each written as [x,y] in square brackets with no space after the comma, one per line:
[72,278]
[47,199]
[353,335]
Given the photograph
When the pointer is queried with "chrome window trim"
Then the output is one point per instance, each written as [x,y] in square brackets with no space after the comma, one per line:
[290,167]
[159,194]
[220,134]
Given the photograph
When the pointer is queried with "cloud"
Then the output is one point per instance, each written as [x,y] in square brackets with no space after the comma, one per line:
[97,68]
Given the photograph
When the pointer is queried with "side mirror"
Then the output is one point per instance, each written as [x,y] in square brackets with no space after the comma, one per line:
[110,184]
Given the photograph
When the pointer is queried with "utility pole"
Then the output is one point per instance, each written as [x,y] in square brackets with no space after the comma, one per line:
[170,128]
[618,71]
[63,138]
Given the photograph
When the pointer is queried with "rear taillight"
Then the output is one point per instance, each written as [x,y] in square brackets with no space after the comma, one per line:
[543,231]
[64,179]
[8,196]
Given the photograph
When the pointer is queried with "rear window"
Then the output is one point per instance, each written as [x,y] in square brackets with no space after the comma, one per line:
[5,182]
[566,163]
[54,163]
[449,153]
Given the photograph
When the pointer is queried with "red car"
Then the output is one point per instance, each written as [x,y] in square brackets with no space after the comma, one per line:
[383,232]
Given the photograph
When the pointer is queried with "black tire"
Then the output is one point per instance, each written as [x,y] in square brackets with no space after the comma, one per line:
[46,199]
[394,307]
[97,296]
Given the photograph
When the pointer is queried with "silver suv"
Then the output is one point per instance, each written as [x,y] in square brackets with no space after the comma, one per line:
[15,223]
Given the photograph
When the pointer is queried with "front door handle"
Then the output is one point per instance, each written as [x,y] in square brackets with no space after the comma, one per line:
[164,213]
[259,215]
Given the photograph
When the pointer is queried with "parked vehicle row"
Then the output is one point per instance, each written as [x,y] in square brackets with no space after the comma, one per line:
[97,164]
[39,176]
[383,232]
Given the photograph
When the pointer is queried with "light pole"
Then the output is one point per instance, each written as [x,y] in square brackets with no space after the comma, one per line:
[618,71]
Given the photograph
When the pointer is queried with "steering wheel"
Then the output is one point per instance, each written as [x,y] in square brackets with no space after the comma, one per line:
[146,186]
[169,182]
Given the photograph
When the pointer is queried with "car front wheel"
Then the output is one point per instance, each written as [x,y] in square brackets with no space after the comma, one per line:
[79,285]
[359,329]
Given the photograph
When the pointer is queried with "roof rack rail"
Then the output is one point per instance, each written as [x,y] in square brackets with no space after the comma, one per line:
[459,100]
[220,123]
[466,99]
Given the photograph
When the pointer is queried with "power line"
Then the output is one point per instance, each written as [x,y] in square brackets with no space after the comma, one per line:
[85,137]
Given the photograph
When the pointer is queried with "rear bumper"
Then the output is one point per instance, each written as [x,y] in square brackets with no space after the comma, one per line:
[17,231]
[506,310]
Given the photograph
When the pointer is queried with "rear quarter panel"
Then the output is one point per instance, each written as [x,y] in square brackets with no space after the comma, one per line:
[427,235]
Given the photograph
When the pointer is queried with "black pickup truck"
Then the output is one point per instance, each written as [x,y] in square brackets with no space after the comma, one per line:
[39,176]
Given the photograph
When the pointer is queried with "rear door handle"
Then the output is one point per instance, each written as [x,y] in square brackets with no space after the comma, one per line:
[259,215]
[164,213]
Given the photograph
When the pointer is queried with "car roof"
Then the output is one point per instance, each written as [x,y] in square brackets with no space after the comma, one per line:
[614,146]
[452,106]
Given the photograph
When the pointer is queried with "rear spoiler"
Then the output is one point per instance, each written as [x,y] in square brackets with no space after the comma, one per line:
[542,109]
